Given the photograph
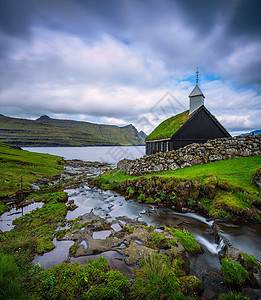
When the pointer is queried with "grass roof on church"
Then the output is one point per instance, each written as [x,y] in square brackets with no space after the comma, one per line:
[168,127]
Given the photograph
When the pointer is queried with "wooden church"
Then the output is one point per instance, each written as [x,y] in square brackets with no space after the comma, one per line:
[196,125]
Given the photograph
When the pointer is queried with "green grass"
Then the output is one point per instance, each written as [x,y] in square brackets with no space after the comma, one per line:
[249,261]
[236,201]
[158,239]
[91,281]
[156,280]
[232,296]
[31,166]
[234,274]
[237,172]
[10,275]
[33,233]
[168,127]
[73,249]
[38,227]
[3,208]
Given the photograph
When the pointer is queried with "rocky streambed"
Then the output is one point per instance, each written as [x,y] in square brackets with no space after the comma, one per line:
[104,223]
[124,241]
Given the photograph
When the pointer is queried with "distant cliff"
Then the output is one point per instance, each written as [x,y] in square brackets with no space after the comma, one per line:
[54,132]
[255,132]
[143,134]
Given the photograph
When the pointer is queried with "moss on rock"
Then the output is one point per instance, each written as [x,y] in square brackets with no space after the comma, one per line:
[190,285]
[234,273]
[73,249]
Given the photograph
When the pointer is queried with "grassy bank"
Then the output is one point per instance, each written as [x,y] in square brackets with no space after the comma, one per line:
[16,164]
[237,172]
[224,189]
[33,234]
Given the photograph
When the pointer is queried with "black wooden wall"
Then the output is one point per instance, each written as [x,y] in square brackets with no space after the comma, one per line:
[160,146]
[200,128]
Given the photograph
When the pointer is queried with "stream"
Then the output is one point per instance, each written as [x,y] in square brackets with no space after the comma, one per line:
[111,205]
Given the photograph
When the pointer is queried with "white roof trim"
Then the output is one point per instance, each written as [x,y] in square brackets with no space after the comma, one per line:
[159,140]
[196,92]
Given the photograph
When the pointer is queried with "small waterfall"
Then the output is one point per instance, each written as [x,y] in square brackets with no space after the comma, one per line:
[212,247]
[196,217]
[221,246]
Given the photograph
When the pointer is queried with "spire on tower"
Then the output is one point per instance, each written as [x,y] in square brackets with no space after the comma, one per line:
[197,76]
[196,97]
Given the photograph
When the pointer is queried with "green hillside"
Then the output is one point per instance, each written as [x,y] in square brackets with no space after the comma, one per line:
[52,132]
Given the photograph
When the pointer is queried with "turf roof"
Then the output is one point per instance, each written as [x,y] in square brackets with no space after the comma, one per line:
[168,127]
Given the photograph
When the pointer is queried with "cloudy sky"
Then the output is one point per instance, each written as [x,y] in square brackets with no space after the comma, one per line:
[130,61]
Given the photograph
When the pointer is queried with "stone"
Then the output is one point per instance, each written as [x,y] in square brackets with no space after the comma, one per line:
[135,252]
[185,210]
[158,168]
[246,153]
[173,166]
[72,206]
[185,165]
[215,157]
[196,161]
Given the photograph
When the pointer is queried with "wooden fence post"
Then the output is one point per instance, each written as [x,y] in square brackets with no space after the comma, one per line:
[59,180]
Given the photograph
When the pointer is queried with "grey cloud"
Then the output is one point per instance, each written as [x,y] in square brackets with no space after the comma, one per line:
[202,14]
[221,37]
[16,17]
[246,19]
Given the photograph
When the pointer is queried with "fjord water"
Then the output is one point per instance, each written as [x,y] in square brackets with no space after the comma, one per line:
[105,154]
[109,205]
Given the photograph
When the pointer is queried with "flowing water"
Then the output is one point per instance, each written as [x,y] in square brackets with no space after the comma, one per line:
[110,205]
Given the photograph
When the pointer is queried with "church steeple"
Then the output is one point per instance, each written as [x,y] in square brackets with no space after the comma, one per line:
[196,97]
[197,76]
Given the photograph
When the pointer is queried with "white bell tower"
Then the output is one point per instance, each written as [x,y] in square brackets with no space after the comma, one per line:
[196,97]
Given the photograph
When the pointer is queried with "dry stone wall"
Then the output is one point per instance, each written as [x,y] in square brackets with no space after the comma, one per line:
[194,154]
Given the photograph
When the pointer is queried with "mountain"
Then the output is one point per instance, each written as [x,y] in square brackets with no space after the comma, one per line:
[54,132]
[143,134]
[255,132]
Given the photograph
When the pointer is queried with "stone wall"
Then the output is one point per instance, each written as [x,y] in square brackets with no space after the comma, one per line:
[194,154]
